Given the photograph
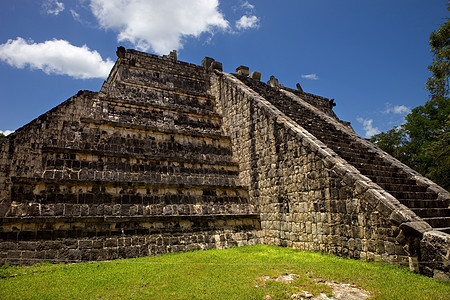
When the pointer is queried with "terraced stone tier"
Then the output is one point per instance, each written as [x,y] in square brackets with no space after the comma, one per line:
[162,116]
[63,163]
[102,135]
[44,197]
[141,94]
[74,239]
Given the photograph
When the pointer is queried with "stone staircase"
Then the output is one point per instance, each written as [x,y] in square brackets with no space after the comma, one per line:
[391,178]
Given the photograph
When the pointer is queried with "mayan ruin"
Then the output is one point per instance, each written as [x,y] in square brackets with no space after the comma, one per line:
[171,156]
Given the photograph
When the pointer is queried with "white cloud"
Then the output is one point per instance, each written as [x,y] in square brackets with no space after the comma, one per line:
[159,25]
[247,6]
[396,109]
[6,132]
[368,127]
[52,7]
[246,22]
[75,15]
[310,76]
[55,57]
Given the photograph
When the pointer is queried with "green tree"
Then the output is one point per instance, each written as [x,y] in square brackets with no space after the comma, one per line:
[394,142]
[438,83]
[439,170]
[423,142]
[425,126]
[1,135]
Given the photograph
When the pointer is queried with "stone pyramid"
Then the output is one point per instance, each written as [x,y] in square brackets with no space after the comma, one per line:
[170,156]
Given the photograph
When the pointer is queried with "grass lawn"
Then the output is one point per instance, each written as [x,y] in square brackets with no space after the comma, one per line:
[236,273]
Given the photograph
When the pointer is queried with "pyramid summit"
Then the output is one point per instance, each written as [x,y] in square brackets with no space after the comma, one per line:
[170,156]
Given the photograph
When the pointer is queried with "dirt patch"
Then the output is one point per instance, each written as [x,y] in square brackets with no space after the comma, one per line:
[287,278]
[341,291]
[347,291]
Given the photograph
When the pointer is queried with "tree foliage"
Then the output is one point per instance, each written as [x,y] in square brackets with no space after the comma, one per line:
[394,142]
[423,142]
[1,135]
[438,83]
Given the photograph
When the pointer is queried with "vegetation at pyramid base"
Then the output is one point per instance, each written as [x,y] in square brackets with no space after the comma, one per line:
[237,273]
[423,142]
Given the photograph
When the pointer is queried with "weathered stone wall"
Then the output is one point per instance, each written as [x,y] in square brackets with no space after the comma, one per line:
[308,197]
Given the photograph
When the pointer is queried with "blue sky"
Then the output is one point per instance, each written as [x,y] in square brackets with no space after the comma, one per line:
[370,56]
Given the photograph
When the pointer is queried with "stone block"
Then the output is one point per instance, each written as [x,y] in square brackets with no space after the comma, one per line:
[216,65]
[6,246]
[242,70]
[416,228]
[255,75]
[207,62]
[85,244]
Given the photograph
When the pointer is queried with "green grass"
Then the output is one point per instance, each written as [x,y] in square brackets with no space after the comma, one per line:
[214,274]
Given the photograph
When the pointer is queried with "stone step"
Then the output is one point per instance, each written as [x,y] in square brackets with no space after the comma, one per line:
[363,162]
[78,164]
[443,229]
[394,180]
[380,171]
[413,195]
[349,148]
[385,180]
[438,222]
[395,188]
[317,101]
[414,203]
[432,212]
[383,176]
